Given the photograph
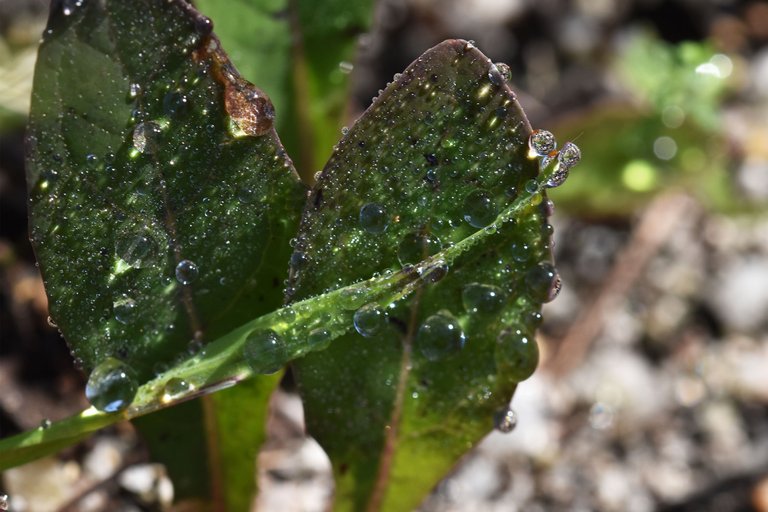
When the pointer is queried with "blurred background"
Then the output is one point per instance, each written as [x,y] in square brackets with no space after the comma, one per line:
[652,392]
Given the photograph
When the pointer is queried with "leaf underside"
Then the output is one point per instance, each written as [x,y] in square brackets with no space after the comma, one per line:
[145,149]
[443,141]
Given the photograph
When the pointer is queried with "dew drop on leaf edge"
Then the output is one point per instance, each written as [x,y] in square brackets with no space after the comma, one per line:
[111,385]
[505,420]
[518,353]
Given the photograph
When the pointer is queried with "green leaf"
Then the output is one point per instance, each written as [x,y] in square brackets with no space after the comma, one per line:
[161,199]
[435,178]
[293,50]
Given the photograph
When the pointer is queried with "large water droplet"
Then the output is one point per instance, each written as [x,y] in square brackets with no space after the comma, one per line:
[124,309]
[186,272]
[543,282]
[479,209]
[264,351]
[137,250]
[319,339]
[483,298]
[416,247]
[145,137]
[439,336]
[175,388]
[373,218]
[505,420]
[111,386]
[569,155]
[518,353]
[370,320]
[541,143]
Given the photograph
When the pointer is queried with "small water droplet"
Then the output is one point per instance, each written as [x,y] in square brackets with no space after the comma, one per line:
[299,260]
[483,298]
[543,282]
[145,137]
[264,351]
[174,388]
[415,247]
[319,339]
[52,323]
[520,251]
[194,346]
[495,76]
[541,143]
[111,386]
[45,424]
[203,25]
[505,420]
[123,308]
[133,91]
[439,336]
[186,272]
[479,209]
[518,353]
[370,320]
[346,67]
[3,502]
[344,131]
[373,218]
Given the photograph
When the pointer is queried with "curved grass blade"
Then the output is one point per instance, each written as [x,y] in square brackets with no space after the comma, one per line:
[161,199]
[434,179]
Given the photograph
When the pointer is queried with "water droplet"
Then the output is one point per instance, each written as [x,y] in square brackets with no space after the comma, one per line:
[370,320]
[186,272]
[174,388]
[135,250]
[531,186]
[483,298]
[145,137]
[373,218]
[344,131]
[518,353]
[479,209]
[319,339]
[505,420]
[541,143]
[346,67]
[203,25]
[435,272]
[499,73]
[3,502]
[569,155]
[543,282]
[299,260]
[264,351]
[415,247]
[439,336]
[111,386]
[175,104]
[194,346]
[45,424]
[52,323]
[520,252]
[123,309]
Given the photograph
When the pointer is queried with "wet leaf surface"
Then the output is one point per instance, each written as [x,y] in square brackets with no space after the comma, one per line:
[161,199]
[424,173]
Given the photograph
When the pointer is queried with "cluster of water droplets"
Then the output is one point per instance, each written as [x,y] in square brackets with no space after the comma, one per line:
[555,165]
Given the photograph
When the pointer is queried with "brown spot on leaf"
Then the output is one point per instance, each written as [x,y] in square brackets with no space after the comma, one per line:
[249,108]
